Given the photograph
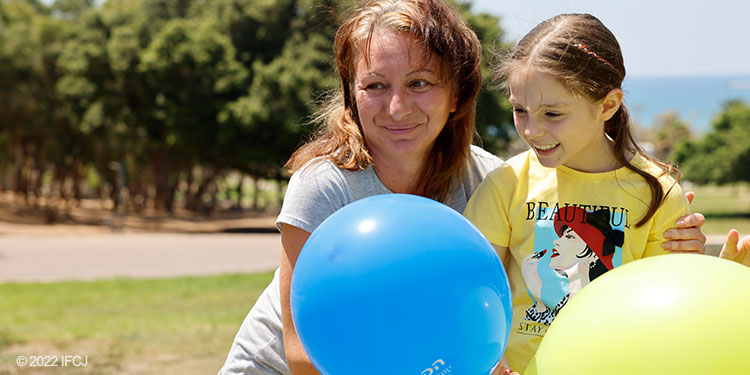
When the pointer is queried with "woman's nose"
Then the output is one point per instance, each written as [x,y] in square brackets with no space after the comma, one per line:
[399,105]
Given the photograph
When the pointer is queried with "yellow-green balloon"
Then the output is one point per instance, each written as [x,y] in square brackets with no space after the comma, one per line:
[672,314]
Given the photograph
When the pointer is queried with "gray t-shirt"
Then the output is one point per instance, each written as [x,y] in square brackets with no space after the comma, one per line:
[316,191]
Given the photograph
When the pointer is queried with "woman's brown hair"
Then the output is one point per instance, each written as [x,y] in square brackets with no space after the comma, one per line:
[445,35]
[585,57]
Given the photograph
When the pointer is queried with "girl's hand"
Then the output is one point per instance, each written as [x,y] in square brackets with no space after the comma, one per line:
[687,235]
[503,368]
[736,249]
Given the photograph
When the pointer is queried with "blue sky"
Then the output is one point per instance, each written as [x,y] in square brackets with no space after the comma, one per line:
[658,37]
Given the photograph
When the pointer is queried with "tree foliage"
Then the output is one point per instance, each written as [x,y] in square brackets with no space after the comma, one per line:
[174,93]
[670,130]
[722,155]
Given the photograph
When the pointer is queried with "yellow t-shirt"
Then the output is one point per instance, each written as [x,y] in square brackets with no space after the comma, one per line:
[563,229]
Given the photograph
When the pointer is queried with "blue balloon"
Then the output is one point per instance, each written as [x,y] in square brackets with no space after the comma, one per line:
[400,284]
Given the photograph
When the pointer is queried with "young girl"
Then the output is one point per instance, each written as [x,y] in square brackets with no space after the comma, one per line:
[585,195]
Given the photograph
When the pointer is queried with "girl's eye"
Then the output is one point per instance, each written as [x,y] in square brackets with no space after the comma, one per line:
[519,110]
[552,114]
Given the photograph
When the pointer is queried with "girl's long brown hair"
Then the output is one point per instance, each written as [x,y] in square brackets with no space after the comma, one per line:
[446,36]
[585,56]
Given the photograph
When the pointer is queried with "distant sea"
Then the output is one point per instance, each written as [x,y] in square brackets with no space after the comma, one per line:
[695,99]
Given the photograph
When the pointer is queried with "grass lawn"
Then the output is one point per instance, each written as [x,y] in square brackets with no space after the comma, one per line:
[725,207]
[123,326]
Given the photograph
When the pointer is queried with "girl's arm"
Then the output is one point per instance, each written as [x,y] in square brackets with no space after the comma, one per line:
[292,240]
[504,254]
[687,235]
[736,249]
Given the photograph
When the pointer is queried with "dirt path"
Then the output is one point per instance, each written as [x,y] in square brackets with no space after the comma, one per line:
[89,241]
[28,258]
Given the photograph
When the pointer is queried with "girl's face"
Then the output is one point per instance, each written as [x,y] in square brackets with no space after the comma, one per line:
[403,103]
[567,249]
[561,128]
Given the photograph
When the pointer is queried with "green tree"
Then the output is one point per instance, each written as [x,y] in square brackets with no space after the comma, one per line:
[494,116]
[35,132]
[723,155]
[193,69]
[271,114]
[179,92]
[670,130]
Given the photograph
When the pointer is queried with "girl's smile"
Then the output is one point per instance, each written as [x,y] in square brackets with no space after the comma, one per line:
[545,149]
[561,127]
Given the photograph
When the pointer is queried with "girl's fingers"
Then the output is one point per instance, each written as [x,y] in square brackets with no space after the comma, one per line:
[691,233]
[695,219]
[685,246]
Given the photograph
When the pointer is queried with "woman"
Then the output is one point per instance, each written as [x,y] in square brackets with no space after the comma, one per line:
[403,122]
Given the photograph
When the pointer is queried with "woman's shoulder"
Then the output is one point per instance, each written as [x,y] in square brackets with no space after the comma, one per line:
[317,176]
[316,165]
[483,158]
[322,174]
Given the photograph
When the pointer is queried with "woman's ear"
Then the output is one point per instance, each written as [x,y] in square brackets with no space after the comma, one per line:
[454,103]
[610,104]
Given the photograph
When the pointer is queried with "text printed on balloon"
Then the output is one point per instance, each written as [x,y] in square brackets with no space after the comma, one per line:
[438,368]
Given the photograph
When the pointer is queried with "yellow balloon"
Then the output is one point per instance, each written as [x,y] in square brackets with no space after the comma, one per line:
[672,314]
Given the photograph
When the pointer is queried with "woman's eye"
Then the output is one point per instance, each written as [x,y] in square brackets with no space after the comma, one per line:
[519,110]
[420,84]
[375,86]
[552,114]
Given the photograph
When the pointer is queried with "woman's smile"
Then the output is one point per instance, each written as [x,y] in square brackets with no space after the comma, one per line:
[401,129]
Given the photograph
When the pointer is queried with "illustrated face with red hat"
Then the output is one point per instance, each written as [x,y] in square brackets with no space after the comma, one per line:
[570,249]
[583,239]
[583,246]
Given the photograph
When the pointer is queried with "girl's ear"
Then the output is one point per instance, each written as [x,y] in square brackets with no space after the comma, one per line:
[611,103]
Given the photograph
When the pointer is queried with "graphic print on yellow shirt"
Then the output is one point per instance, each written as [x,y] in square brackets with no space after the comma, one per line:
[572,247]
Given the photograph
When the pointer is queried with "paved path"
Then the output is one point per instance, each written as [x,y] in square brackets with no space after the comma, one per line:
[29,257]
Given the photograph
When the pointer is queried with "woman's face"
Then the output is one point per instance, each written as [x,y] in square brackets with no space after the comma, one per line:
[566,250]
[403,103]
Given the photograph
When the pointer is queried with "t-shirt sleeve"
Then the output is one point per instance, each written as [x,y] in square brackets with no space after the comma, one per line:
[489,205]
[675,206]
[314,192]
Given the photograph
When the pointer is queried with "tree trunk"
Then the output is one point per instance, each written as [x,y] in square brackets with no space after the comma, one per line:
[256,192]
[208,179]
[238,205]
[163,197]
